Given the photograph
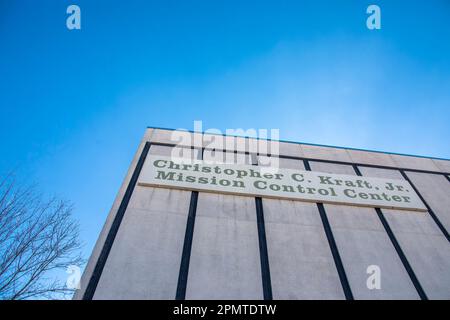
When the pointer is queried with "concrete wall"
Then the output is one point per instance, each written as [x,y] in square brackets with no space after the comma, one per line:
[145,257]
[225,260]
[424,245]
[362,242]
[434,188]
[88,271]
[300,259]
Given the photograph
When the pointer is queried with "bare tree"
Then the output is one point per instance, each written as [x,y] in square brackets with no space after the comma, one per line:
[38,239]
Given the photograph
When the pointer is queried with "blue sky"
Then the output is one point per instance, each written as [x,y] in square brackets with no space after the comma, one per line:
[74,104]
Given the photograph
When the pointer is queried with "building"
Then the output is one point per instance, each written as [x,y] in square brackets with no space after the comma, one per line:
[163,242]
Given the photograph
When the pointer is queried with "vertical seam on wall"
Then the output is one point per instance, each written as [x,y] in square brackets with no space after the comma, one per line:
[187,245]
[109,241]
[430,211]
[333,246]
[263,252]
[398,248]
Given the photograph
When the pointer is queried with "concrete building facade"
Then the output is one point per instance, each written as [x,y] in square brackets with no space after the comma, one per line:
[168,243]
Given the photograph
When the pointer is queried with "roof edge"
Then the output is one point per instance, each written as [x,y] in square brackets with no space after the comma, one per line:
[304,143]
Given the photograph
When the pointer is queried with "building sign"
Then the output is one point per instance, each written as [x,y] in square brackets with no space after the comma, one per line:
[291,184]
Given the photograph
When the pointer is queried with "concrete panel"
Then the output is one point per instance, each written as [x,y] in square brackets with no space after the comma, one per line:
[181,138]
[214,141]
[300,259]
[362,242]
[110,218]
[268,147]
[276,162]
[144,260]
[373,158]
[236,144]
[430,259]
[443,165]
[177,152]
[410,162]
[424,245]
[162,136]
[212,156]
[247,144]
[244,144]
[225,262]
[290,149]
[228,143]
[301,263]
[148,134]
[435,189]
[325,153]
[331,168]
